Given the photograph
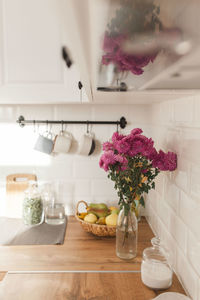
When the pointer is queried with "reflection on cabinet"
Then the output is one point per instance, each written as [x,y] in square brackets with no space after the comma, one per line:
[32,70]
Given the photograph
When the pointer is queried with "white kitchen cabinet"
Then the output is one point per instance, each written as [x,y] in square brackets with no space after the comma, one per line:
[32,70]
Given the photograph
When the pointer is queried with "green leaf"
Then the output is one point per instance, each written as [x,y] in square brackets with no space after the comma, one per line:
[142,201]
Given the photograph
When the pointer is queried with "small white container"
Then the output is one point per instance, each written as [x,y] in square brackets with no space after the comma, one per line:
[156,272]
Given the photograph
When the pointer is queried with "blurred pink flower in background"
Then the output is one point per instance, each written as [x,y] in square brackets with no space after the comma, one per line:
[112,46]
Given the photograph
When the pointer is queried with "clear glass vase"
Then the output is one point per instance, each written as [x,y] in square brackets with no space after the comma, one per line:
[126,235]
[137,209]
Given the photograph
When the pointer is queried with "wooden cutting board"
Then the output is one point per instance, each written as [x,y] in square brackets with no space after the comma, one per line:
[16,184]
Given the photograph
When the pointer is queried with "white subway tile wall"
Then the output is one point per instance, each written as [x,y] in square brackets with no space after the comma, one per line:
[176,127]
[79,177]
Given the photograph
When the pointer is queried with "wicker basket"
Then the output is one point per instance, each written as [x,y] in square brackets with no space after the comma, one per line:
[96,229]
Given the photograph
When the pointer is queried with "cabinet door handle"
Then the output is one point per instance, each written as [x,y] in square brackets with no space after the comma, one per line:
[66,57]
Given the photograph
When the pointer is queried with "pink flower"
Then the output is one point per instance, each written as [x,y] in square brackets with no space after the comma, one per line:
[122,146]
[152,154]
[112,43]
[109,158]
[140,144]
[121,159]
[158,161]
[133,143]
[171,161]
[107,146]
[112,46]
[123,162]
[136,131]
[117,137]
[148,149]
[165,161]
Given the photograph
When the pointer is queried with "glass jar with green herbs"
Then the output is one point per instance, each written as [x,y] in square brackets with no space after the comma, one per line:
[33,213]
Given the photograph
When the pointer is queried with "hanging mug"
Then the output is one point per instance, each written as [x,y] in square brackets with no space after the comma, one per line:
[87,143]
[44,143]
[62,142]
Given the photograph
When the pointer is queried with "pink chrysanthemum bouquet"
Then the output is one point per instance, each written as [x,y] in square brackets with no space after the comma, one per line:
[132,162]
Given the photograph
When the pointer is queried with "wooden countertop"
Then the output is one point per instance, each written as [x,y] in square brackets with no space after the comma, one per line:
[80,251]
[79,286]
[80,259]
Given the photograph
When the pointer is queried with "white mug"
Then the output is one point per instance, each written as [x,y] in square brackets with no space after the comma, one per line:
[62,142]
[87,144]
[44,143]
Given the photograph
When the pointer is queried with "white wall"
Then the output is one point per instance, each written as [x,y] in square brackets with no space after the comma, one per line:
[80,177]
[174,207]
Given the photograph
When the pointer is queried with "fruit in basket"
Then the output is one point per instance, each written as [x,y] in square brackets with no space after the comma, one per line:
[90,218]
[100,210]
[111,220]
[82,215]
[101,221]
[114,210]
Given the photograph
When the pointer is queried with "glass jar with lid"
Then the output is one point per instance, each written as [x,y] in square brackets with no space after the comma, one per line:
[33,213]
[156,272]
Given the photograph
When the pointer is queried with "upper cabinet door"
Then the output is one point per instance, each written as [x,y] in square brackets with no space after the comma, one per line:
[32,70]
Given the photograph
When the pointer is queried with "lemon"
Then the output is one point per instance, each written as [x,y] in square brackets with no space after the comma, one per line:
[111,220]
[112,208]
[101,221]
[90,218]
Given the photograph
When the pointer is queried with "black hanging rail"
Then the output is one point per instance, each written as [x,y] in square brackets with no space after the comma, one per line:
[22,122]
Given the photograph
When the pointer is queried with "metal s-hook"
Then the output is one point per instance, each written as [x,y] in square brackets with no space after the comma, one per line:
[88,127]
[47,125]
[34,126]
[62,126]
[117,127]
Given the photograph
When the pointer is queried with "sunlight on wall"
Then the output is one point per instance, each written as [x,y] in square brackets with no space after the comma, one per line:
[17,145]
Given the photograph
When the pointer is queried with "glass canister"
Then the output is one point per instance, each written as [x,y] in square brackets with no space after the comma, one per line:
[126,235]
[156,271]
[47,193]
[33,213]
